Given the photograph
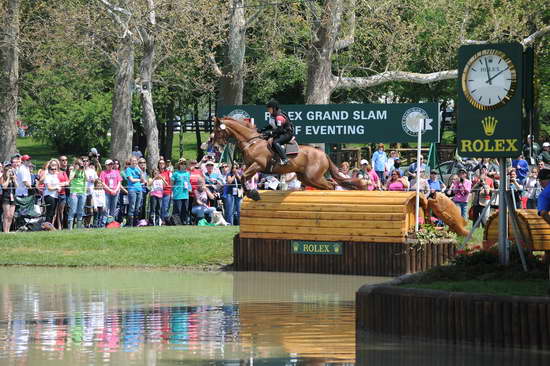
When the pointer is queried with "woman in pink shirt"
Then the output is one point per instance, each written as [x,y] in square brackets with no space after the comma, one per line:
[111,181]
[396,182]
[461,188]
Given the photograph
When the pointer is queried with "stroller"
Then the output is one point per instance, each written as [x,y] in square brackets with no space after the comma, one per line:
[27,218]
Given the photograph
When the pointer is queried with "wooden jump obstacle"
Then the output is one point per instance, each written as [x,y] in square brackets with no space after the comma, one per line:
[535,230]
[341,232]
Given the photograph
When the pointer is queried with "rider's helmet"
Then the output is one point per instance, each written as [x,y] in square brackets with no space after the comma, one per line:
[273,104]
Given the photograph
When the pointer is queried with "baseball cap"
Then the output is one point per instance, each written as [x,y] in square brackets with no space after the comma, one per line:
[7,163]
[364,162]
[209,163]
[546,144]
[93,150]
[25,157]
[544,174]
[462,170]
[108,161]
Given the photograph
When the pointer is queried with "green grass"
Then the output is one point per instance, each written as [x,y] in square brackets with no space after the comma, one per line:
[532,287]
[189,145]
[39,151]
[173,246]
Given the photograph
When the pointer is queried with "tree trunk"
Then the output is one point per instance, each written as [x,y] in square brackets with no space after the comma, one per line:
[147,107]
[232,81]
[319,74]
[121,124]
[9,79]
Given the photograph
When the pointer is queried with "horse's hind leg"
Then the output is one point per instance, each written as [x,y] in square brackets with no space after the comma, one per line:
[319,183]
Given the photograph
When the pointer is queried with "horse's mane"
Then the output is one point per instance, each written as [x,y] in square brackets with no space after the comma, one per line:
[240,121]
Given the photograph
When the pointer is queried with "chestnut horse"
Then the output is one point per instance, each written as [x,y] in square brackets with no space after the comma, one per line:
[310,164]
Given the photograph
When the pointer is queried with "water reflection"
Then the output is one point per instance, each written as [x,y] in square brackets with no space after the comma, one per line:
[380,350]
[74,317]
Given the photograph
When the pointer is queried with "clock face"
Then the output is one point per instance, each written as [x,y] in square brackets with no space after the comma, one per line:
[489,79]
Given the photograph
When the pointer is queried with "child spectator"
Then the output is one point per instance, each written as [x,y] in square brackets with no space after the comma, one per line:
[156,188]
[98,202]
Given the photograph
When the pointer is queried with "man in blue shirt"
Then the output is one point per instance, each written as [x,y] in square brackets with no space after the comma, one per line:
[543,202]
[522,169]
[379,160]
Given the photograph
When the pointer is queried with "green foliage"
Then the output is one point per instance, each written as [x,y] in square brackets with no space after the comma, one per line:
[428,233]
[70,112]
[281,78]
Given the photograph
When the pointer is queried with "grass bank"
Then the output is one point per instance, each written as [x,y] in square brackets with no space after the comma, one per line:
[532,287]
[167,246]
[480,272]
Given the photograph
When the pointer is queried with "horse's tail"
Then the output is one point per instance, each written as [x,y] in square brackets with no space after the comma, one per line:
[348,183]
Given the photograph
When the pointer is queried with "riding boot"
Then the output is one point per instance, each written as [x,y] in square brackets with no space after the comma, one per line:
[281,152]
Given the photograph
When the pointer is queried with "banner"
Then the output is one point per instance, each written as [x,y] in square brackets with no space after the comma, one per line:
[350,123]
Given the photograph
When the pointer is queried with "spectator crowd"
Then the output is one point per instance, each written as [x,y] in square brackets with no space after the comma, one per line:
[86,193]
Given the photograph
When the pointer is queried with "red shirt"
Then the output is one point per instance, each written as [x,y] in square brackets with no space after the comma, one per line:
[167,175]
[196,174]
[62,176]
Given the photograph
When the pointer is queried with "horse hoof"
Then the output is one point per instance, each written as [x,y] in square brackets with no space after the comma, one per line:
[253,194]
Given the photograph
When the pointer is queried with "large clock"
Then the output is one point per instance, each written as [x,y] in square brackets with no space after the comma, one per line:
[489,79]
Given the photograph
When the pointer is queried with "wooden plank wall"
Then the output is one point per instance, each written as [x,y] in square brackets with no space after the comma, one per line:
[507,321]
[372,259]
[533,227]
[359,216]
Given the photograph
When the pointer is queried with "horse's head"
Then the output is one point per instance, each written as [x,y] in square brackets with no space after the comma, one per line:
[221,133]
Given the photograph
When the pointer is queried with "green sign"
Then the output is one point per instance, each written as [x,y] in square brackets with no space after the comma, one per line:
[489,100]
[316,247]
[350,123]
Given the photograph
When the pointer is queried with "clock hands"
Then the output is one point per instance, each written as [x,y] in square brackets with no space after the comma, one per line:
[487,69]
[497,74]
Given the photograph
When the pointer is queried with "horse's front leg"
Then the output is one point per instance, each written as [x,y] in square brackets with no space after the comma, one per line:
[247,175]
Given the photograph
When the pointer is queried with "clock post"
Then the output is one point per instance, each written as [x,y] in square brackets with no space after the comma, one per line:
[489,112]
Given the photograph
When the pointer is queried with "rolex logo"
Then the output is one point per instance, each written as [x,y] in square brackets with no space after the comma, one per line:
[489,124]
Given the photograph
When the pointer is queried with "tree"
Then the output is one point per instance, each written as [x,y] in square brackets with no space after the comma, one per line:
[232,73]
[121,123]
[393,36]
[146,75]
[9,76]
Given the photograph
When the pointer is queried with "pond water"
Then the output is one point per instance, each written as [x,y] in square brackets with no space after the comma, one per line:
[56,316]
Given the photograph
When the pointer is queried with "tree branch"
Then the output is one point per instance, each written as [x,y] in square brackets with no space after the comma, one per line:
[116,8]
[217,71]
[533,37]
[253,18]
[112,9]
[350,39]
[526,42]
[389,76]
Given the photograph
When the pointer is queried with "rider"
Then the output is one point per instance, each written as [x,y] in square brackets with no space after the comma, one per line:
[279,127]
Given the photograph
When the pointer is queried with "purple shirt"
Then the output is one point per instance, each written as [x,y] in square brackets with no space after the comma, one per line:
[461,190]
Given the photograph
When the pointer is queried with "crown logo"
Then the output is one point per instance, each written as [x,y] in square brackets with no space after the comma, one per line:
[489,124]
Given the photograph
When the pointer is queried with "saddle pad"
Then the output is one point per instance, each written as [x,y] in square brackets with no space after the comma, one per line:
[292,148]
